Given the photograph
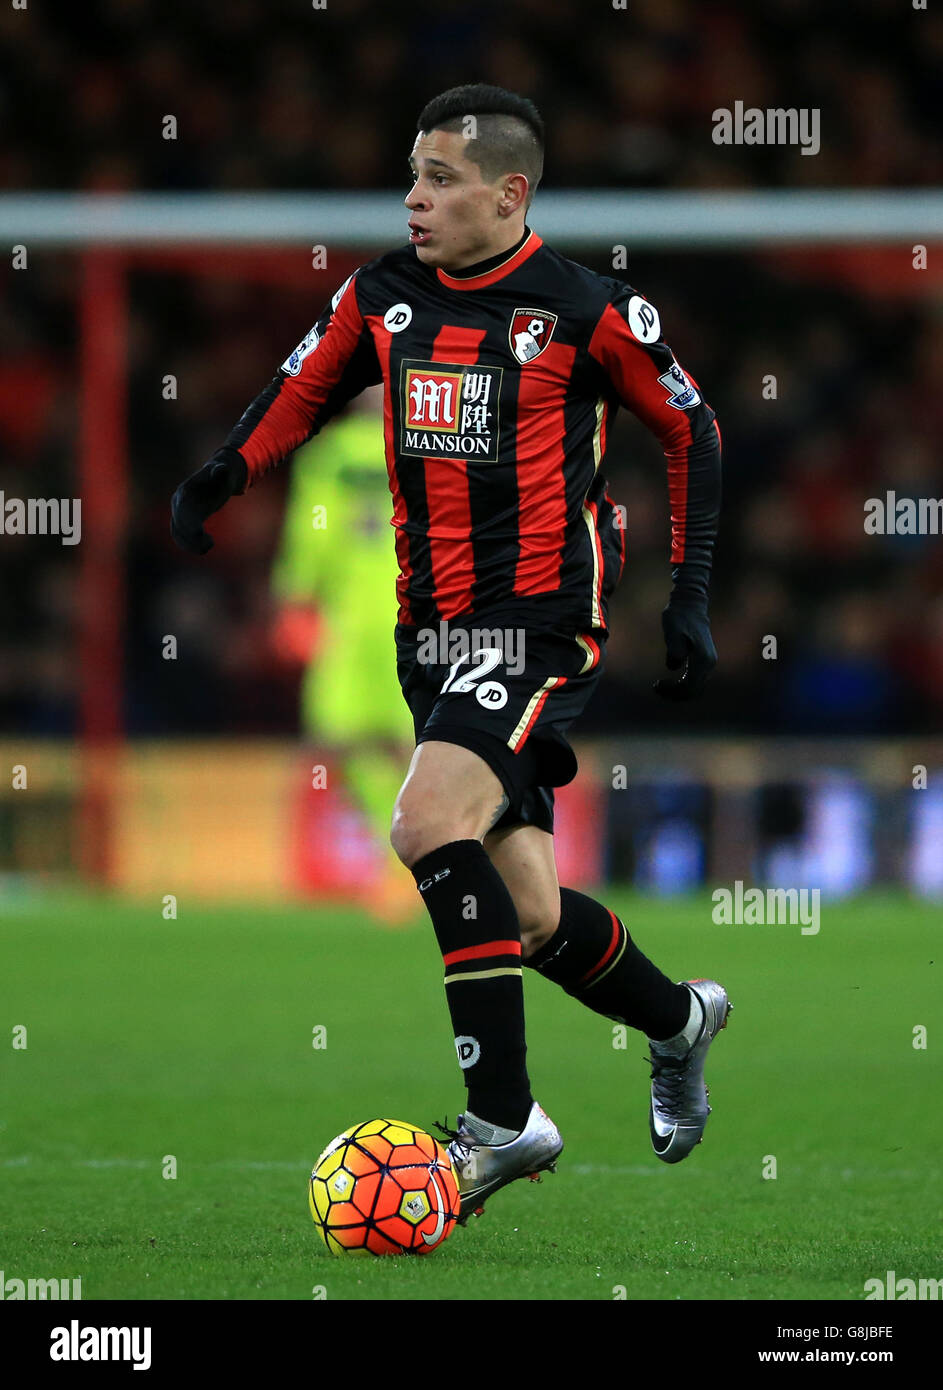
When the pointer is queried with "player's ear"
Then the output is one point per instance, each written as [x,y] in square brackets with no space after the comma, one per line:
[513,194]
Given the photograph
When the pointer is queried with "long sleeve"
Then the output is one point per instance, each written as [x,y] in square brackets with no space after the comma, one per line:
[647,379]
[333,363]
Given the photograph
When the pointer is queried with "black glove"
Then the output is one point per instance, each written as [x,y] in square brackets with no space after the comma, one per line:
[688,639]
[202,494]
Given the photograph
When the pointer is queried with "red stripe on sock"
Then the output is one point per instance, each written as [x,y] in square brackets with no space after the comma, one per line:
[610,950]
[490,948]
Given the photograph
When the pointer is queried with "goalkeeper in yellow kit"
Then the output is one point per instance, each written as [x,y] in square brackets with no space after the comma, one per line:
[334,578]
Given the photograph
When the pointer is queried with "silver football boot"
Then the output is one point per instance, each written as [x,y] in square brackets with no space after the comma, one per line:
[679,1108]
[481,1169]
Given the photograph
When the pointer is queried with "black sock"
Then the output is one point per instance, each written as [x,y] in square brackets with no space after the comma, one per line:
[479,936]
[592,956]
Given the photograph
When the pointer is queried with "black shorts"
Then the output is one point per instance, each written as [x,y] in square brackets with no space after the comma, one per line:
[508,694]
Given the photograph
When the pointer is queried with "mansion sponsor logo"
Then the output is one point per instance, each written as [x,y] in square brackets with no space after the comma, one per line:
[39,1289]
[42,516]
[448,409]
[774,126]
[891,515]
[77,1343]
[903,1290]
[445,646]
[767,907]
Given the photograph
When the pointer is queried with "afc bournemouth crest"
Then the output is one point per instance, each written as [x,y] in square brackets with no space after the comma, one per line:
[530,332]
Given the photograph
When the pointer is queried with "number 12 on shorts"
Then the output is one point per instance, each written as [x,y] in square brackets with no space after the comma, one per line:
[489,694]
[465,684]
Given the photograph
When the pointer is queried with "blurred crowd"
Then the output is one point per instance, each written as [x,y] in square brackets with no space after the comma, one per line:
[288,96]
[283,94]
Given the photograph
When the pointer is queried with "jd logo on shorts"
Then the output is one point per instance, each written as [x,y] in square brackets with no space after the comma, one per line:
[469,1050]
[491,694]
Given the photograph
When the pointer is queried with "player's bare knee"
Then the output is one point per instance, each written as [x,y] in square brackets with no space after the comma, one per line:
[415,833]
[403,837]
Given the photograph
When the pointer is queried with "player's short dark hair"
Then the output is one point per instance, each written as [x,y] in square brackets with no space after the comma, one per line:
[509,129]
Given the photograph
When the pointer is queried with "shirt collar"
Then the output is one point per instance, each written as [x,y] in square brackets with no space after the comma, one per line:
[488,272]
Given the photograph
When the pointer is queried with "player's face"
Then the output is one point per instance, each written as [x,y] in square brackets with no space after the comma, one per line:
[457,219]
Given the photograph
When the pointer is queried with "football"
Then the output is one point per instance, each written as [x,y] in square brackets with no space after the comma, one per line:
[383,1187]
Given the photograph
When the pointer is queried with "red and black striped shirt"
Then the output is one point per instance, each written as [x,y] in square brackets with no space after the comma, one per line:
[499,387]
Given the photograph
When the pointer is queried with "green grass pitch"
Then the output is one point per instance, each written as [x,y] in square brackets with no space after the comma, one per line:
[193,1038]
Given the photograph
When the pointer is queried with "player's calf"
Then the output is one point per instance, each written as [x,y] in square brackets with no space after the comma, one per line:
[593,957]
